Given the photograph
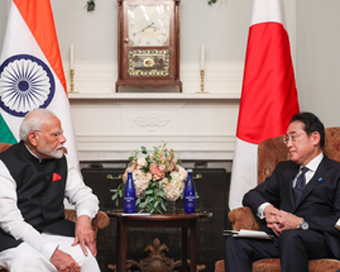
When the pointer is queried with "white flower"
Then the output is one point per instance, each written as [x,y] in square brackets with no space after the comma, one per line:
[181,173]
[141,181]
[141,162]
[173,189]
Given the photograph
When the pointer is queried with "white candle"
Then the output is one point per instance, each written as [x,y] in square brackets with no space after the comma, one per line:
[71,57]
[202,57]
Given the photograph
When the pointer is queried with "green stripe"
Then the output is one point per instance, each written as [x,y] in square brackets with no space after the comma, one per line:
[6,135]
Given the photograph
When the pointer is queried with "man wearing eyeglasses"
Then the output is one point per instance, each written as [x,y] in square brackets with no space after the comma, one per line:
[34,179]
[299,203]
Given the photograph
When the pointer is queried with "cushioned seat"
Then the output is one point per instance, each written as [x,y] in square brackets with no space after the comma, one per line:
[270,152]
[101,220]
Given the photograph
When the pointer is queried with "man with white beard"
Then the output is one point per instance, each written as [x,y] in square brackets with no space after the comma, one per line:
[35,177]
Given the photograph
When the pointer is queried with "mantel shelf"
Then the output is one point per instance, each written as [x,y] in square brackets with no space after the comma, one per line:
[154,96]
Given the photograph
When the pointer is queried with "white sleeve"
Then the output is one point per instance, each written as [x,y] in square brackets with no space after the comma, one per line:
[260,210]
[337,224]
[80,195]
[12,221]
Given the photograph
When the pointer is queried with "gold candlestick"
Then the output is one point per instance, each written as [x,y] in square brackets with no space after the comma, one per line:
[202,82]
[72,81]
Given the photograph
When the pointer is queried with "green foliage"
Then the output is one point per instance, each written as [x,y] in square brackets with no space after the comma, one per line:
[144,150]
[118,193]
[152,201]
[210,2]
[91,5]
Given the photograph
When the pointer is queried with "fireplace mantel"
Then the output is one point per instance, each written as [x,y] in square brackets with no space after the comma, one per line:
[201,126]
[120,97]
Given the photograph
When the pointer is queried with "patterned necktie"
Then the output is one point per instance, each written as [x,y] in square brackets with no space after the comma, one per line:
[300,184]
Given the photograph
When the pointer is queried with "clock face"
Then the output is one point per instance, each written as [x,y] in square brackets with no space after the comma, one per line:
[149,25]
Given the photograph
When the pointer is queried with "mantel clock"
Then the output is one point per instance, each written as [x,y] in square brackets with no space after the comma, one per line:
[148,43]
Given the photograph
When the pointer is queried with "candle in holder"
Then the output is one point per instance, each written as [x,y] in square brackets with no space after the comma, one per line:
[202,70]
[202,57]
[72,68]
[71,57]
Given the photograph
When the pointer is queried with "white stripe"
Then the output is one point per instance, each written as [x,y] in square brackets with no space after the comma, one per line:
[19,40]
[268,11]
[20,43]
[244,172]
[60,106]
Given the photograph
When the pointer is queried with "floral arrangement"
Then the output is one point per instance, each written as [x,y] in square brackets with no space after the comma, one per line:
[158,177]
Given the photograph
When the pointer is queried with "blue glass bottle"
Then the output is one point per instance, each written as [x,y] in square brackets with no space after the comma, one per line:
[189,194]
[129,195]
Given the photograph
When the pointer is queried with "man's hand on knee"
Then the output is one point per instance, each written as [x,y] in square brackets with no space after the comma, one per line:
[289,221]
[85,235]
[64,262]
[271,214]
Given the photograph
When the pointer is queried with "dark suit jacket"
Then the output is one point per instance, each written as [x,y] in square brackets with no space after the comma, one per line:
[319,203]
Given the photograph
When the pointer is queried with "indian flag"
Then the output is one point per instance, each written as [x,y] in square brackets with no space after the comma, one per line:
[269,96]
[31,72]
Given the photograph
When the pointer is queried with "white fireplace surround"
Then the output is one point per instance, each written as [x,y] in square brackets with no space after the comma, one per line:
[110,125]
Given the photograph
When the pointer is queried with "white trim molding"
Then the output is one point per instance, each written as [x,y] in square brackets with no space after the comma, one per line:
[99,79]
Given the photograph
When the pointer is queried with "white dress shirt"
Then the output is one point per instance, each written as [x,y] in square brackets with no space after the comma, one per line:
[312,167]
[12,221]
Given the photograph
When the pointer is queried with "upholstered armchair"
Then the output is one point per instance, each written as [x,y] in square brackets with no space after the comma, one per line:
[101,220]
[270,152]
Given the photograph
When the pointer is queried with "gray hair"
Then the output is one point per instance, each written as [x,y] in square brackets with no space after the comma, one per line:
[34,120]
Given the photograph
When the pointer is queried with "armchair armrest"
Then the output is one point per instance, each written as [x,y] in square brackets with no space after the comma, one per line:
[101,221]
[243,218]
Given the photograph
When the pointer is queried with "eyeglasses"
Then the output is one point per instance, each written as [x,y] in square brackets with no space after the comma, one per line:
[292,138]
[53,134]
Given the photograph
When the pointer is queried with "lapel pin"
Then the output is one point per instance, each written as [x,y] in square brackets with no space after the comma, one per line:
[320,179]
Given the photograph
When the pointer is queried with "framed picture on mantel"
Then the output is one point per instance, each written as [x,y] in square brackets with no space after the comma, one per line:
[148,43]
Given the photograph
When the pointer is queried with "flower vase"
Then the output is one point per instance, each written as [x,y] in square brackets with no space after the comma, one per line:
[171,207]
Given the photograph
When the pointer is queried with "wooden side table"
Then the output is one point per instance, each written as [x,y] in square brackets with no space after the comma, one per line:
[168,220]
